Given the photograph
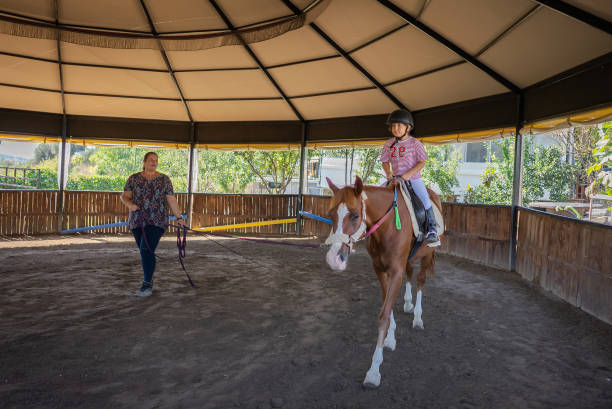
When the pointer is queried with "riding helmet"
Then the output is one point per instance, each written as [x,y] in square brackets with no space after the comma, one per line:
[401,115]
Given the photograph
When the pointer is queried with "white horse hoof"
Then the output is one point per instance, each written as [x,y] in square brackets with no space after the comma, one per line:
[408,308]
[417,324]
[372,379]
[390,343]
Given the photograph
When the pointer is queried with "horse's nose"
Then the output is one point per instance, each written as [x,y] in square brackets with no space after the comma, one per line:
[344,253]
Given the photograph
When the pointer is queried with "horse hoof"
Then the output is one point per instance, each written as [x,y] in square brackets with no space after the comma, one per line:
[408,308]
[417,324]
[372,380]
[390,344]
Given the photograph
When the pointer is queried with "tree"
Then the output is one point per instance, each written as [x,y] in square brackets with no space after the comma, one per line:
[578,143]
[441,167]
[369,165]
[279,166]
[602,168]
[45,151]
[223,172]
[544,169]
[122,162]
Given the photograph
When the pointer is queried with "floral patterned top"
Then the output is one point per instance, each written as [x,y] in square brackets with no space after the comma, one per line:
[150,197]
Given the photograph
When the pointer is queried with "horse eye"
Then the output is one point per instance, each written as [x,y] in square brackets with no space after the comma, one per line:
[354,216]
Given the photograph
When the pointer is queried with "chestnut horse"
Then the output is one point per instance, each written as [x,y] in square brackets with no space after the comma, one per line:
[355,210]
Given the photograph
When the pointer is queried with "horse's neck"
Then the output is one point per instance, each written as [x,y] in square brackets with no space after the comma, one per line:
[378,203]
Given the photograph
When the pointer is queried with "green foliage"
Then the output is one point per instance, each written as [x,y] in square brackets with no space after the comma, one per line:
[45,151]
[543,170]
[602,168]
[226,172]
[279,166]
[122,162]
[441,168]
[369,160]
[104,183]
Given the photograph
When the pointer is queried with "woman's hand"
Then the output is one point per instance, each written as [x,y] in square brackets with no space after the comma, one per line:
[181,222]
[133,207]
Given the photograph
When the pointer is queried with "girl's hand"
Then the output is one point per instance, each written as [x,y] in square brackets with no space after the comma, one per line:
[133,207]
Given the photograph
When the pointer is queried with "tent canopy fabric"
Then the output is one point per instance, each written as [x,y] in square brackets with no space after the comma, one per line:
[465,68]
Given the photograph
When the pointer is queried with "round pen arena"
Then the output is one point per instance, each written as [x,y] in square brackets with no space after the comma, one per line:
[306,298]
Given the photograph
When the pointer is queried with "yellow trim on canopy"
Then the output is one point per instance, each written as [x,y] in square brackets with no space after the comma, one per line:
[428,140]
[248,147]
[582,119]
[587,118]
[94,142]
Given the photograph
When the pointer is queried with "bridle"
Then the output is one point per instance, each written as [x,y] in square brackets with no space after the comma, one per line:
[358,235]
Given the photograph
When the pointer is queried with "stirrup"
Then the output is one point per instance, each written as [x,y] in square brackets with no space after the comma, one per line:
[432,237]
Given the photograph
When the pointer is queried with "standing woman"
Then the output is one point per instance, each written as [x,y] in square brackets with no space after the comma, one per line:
[148,195]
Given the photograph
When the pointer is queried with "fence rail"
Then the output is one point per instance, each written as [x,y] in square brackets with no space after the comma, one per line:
[4,179]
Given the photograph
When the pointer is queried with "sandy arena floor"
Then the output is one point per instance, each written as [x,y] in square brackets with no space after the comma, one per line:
[278,328]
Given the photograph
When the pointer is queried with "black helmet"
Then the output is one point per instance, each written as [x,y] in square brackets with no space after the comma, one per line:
[401,115]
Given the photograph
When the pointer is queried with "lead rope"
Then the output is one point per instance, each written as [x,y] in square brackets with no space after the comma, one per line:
[180,244]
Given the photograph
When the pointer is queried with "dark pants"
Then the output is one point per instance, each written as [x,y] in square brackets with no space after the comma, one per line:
[153,234]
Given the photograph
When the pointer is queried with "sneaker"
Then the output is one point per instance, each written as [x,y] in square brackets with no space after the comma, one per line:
[146,290]
[432,237]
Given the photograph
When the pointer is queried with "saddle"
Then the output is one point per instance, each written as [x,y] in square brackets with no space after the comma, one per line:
[418,217]
[417,207]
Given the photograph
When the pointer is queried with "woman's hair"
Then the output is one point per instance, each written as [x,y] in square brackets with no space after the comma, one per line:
[147,157]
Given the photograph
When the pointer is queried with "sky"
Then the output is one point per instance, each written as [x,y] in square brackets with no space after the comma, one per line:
[21,149]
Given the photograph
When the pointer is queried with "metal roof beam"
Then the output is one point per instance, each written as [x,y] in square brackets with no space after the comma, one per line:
[348,58]
[59,57]
[578,14]
[254,57]
[166,60]
[450,45]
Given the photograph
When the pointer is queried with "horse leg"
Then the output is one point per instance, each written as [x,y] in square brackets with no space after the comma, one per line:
[408,307]
[383,278]
[426,264]
[372,378]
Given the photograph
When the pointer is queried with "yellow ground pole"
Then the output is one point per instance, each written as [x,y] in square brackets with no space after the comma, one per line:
[241,225]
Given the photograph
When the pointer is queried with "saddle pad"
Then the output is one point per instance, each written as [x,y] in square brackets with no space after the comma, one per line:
[415,225]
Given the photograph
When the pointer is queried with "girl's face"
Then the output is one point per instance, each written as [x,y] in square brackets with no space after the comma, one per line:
[151,163]
[398,129]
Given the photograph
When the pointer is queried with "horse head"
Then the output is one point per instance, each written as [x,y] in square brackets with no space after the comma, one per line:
[347,212]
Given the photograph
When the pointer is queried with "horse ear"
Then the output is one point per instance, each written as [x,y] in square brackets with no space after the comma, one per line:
[331,185]
[358,186]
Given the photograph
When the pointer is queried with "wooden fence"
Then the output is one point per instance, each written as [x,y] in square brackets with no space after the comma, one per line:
[570,258]
[26,212]
[318,205]
[224,209]
[478,232]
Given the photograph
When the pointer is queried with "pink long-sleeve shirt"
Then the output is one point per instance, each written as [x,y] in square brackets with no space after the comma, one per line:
[404,155]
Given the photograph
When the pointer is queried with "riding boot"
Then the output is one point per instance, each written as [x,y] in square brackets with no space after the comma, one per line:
[432,234]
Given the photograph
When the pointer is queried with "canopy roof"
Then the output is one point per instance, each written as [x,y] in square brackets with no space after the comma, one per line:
[326,71]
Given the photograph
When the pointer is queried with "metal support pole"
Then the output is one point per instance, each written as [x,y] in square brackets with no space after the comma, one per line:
[190,176]
[517,183]
[351,169]
[62,158]
[300,203]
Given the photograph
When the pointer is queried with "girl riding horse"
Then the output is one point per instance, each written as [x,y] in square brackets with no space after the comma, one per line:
[360,210]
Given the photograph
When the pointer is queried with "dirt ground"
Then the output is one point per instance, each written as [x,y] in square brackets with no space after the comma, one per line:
[276,327]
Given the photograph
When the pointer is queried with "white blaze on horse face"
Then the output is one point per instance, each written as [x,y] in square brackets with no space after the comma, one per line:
[333,255]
